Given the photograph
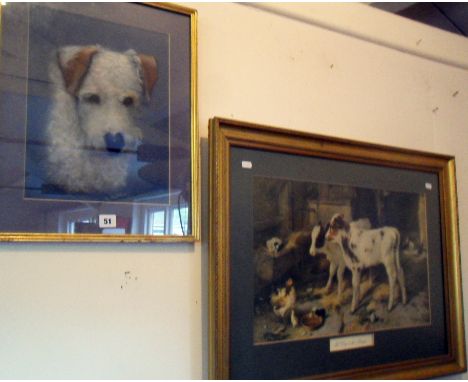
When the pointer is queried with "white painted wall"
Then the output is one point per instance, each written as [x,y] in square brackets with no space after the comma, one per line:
[71,311]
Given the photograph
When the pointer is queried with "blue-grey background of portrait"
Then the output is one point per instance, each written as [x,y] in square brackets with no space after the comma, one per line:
[50,29]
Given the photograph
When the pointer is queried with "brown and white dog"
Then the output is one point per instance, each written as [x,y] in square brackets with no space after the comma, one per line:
[283,301]
[365,248]
[93,133]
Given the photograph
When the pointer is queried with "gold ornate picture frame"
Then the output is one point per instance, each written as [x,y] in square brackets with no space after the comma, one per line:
[98,123]
[282,205]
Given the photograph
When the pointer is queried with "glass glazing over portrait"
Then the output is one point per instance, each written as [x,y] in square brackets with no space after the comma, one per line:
[96,120]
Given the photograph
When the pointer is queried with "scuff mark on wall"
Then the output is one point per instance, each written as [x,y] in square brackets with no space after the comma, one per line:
[127,278]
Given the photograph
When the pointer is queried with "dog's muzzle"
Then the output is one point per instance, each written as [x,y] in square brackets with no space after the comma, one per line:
[114,142]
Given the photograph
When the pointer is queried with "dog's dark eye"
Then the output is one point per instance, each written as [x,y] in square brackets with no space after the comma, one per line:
[92,98]
[128,101]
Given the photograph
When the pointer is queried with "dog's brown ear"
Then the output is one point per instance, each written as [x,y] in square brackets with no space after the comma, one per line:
[75,67]
[149,71]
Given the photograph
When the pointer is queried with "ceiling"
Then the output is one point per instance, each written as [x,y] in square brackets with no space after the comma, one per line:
[451,17]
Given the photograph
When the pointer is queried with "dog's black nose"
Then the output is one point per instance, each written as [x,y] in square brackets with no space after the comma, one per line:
[114,142]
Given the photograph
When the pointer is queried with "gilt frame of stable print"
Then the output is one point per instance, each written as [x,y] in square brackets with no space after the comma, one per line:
[98,122]
[331,258]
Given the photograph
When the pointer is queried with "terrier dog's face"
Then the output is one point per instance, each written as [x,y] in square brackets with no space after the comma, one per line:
[107,103]
[274,245]
[108,88]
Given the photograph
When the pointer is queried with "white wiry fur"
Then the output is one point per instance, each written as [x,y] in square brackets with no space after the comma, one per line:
[78,158]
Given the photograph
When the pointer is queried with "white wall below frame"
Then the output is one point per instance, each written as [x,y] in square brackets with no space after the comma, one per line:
[140,311]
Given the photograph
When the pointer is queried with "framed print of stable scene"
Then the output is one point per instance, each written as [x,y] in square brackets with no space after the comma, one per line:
[98,123]
[331,258]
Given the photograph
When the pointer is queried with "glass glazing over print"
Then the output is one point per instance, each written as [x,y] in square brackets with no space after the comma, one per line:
[333,260]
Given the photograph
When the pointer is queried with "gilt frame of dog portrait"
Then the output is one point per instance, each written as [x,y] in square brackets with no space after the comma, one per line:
[331,258]
[99,123]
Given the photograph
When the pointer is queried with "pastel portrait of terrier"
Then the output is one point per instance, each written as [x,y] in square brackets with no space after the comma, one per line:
[106,105]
